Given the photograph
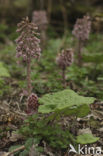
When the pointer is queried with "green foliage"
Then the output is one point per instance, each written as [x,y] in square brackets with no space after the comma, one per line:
[9,58]
[4,87]
[47,127]
[41,129]
[86,139]
[2,84]
[77,74]
[28,144]
[24,153]
[66,101]
[45,76]
[93,58]
[3,71]
[13,148]
[12,34]
[86,83]
[3,29]
[7,54]
[95,43]
[93,51]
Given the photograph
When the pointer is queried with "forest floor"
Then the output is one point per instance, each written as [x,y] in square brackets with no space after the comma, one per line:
[46,78]
[12,117]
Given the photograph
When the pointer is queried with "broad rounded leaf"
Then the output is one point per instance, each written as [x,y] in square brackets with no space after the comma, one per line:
[67,102]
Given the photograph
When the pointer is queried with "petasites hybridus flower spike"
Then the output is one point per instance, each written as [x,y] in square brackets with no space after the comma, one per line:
[28,46]
[81,32]
[82,28]
[32,103]
[28,41]
[64,60]
[40,19]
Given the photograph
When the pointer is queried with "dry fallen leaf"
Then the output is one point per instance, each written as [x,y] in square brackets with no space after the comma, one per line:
[86,130]
[15,136]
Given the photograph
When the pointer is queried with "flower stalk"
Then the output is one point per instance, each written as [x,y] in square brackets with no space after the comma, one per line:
[80,46]
[29,87]
[64,77]
[28,46]
[64,60]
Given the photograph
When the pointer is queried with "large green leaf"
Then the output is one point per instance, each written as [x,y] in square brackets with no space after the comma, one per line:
[3,71]
[67,102]
[86,138]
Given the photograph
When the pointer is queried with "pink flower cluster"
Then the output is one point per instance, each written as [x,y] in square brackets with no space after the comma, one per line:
[28,41]
[65,58]
[82,28]
[40,19]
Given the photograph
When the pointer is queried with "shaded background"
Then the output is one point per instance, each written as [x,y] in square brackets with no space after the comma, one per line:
[61,13]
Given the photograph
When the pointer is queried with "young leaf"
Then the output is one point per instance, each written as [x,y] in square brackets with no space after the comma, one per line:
[86,138]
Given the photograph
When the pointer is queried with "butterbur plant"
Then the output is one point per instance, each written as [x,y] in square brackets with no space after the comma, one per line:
[81,31]
[28,47]
[64,60]
[41,20]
